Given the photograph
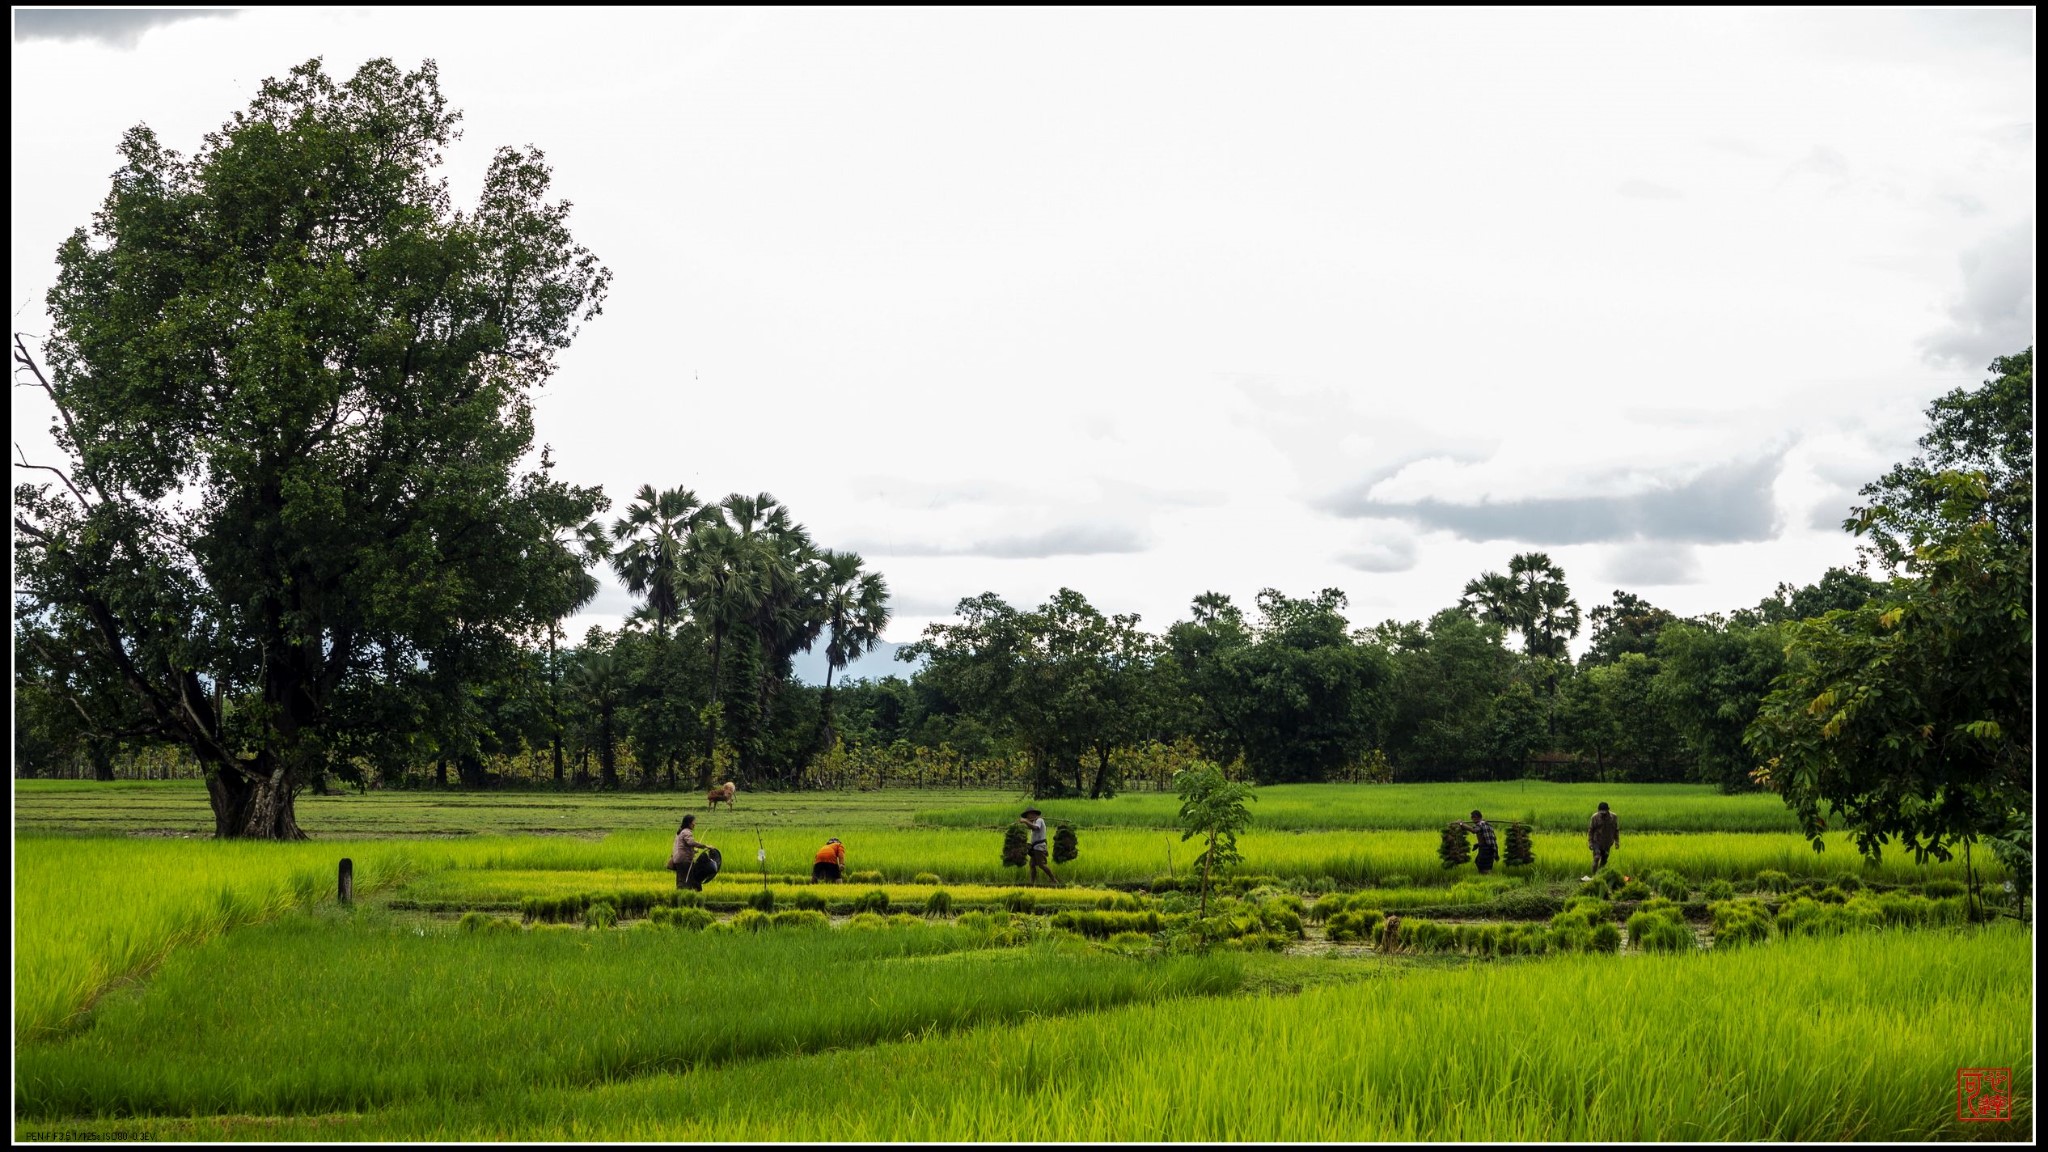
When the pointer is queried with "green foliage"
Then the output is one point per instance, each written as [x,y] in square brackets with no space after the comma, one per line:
[1771,880]
[1719,890]
[1213,808]
[1911,716]
[761,899]
[808,901]
[865,876]
[1942,888]
[873,900]
[1531,599]
[800,918]
[867,921]
[1119,902]
[1018,900]
[939,903]
[1634,890]
[925,878]
[600,915]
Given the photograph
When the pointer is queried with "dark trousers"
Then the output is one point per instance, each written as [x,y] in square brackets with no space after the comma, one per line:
[1486,860]
[1599,858]
[824,870]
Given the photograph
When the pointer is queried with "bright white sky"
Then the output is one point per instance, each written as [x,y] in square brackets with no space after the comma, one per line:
[1150,303]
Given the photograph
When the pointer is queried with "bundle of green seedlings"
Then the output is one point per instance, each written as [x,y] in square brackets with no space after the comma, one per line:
[1740,922]
[1520,851]
[1586,925]
[576,906]
[1835,912]
[871,876]
[689,919]
[1658,926]
[1120,902]
[996,927]
[1456,848]
[1106,924]
[1262,919]
[874,900]
[1016,847]
[1353,925]
[1066,844]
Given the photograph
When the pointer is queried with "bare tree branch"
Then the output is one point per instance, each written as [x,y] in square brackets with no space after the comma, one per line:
[22,462]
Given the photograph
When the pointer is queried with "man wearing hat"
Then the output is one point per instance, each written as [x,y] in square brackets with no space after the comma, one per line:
[831,861]
[1041,853]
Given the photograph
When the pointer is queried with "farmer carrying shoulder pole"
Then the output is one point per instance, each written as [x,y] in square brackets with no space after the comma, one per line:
[831,861]
[684,854]
[1602,835]
[1489,849]
[1040,852]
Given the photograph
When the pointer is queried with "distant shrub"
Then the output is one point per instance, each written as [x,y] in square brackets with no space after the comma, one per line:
[873,900]
[761,900]
[600,915]
[925,878]
[939,903]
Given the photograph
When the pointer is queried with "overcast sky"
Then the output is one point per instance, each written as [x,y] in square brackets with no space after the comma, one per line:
[1150,303]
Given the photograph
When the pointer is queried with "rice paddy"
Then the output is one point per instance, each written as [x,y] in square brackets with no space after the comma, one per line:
[1723,982]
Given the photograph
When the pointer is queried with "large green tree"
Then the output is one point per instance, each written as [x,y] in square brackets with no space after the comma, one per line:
[293,388]
[855,605]
[1911,715]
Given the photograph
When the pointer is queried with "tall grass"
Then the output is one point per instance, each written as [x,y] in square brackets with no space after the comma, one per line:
[89,913]
[1547,807]
[1859,1039]
[348,1014]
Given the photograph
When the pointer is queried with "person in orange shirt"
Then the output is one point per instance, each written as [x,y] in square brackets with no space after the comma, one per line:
[831,861]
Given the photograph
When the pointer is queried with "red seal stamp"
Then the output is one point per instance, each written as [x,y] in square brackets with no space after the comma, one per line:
[1983,1093]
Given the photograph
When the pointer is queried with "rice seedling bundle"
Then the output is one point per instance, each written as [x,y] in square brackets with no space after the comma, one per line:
[1066,843]
[1520,851]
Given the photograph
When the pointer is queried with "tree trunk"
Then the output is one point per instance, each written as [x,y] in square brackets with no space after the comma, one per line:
[252,809]
[1208,866]
[102,759]
[441,771]
[607,754]
[1101,772]
[711,744]
[555,706]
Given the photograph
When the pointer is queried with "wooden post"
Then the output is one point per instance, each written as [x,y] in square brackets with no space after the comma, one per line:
[346,887]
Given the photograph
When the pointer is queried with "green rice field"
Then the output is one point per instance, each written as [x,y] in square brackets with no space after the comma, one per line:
[520,966]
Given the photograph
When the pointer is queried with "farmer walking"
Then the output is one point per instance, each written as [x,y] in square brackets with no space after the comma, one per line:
[831,861]
[1489,849]
[1040,852]
[1602,835]
[685,853]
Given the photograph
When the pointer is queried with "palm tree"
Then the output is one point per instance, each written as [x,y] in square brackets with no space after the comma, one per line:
[856,608]
[1532,600]
[654,531]
[724,578]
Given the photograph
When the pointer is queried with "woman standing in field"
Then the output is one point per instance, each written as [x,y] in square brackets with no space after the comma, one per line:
[685,851]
